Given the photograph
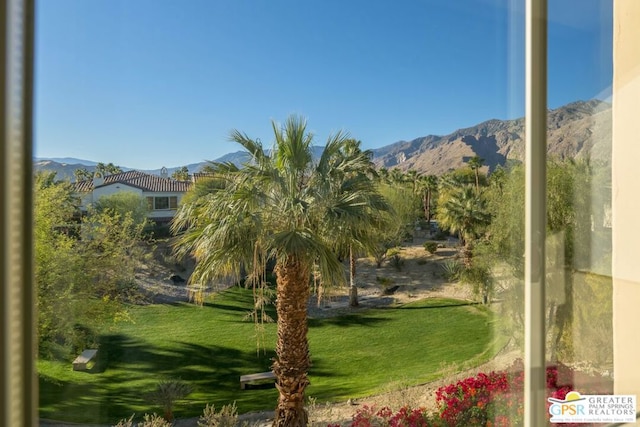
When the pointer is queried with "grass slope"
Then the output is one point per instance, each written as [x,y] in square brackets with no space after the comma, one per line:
[210,347]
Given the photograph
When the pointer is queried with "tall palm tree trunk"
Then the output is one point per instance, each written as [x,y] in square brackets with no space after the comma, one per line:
[477,181]
[353,289]
[292,360]
[427,208]
[467,253]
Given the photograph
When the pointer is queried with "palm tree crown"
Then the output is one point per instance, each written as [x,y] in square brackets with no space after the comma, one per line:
[464,213]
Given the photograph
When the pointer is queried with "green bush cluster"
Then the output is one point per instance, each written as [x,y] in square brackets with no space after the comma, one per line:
[431,247]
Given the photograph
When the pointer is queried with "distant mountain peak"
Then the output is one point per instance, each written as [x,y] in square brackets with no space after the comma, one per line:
[577,129]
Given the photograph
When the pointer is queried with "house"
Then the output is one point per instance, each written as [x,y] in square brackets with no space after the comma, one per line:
[163,193]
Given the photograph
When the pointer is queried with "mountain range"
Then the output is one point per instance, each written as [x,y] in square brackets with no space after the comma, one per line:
[577,130]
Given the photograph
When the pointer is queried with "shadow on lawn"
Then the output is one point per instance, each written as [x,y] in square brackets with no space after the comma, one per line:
[349,320]
[127,370]
[442,304]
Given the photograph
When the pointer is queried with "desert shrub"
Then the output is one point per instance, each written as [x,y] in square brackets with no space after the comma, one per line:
[153,420]
[166,394]
[384,281]
[395,260]
[452,269]
[227,417]
[125,422]
[431,247]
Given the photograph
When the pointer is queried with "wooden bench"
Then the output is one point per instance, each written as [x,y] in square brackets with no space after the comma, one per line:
[261,376]
[80,363]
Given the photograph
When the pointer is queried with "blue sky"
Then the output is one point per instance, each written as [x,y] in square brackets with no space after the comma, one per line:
[151,83]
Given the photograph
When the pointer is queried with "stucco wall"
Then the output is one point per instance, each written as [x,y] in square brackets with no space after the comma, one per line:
[109,190]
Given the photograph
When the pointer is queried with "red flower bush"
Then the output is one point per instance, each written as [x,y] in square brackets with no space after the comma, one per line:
[368,416]
[496,399]
[493,399]
[478,401]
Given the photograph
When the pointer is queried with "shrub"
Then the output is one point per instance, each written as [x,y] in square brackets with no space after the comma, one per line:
[474,401]
[369,416]
[452,269]
[395,259]
[431,247]
[384,281]
[496,398]
[125,422]
[166,394]
[479,277]
[157,231]
[153,420]
[227,417]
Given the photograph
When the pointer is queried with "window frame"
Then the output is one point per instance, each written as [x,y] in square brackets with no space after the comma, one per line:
[172,203]
[536,16]
[18,379]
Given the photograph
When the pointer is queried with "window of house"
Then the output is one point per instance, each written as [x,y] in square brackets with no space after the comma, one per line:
[162,203]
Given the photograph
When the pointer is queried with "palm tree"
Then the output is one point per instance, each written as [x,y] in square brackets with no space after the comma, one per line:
[181,174]
[280,206]
[81,174]
[383,175]
[352,169]
[396,176]
[427,184]
[412,177]
[475,163]
[108,169]
[464,213]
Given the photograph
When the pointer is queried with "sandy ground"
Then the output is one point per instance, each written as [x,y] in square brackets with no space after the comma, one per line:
[420,277]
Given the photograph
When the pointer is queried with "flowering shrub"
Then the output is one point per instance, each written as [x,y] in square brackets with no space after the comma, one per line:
[369,416]
[496,399]
[478,401]
[493,399]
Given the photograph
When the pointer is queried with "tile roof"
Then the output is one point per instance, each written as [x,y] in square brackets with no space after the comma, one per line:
[137,179]
[198,176]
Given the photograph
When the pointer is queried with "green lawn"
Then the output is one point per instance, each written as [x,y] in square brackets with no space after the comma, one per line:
[211,346]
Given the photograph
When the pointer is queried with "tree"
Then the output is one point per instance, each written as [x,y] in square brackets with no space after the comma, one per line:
[397,222]
[352,168]
[81,174]
[123,203]
[282,207]
[80,267]
[108,169]
[464,213]
[412,177]
[475,163]
[383,175]
[181,174]
[428,185]
[110,246]
[397,177]
[57,264]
